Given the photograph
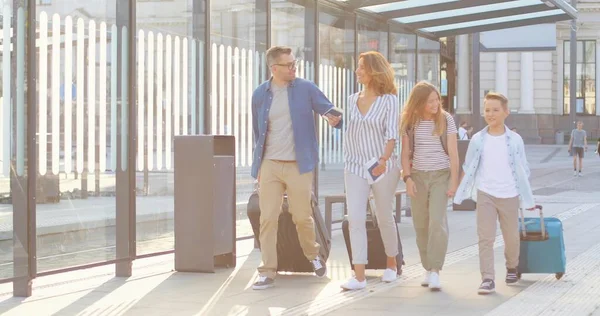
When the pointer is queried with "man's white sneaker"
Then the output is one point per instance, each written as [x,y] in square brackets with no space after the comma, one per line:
[389,275]
[425,281]
[434,282]
[354,284]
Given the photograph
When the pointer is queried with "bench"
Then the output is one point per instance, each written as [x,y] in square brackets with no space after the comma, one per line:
[341,198]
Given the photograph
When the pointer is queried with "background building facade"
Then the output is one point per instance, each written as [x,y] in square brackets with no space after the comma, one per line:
[537,82]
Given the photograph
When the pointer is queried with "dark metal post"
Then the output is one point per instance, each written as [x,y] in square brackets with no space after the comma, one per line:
[315,58]
[23,186]
[125,176]
[573,70]
[475,97]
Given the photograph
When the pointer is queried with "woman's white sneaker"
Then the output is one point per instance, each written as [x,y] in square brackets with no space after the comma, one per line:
[426,277]
[389,275]
[354,284]
[434,282]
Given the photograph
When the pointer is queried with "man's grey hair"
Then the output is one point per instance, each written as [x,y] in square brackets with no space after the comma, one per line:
[275,52]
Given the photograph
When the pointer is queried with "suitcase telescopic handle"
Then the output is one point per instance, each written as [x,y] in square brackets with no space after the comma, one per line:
[542,225]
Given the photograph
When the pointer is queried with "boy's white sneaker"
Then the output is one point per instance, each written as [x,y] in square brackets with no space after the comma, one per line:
[389,275]
[434,282]
[354,284]
[426,277]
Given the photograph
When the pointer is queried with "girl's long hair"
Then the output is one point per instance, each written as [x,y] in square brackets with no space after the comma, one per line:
[415,108]
[381,72]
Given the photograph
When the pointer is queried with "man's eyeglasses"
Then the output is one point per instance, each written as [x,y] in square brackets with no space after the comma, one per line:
[289,66]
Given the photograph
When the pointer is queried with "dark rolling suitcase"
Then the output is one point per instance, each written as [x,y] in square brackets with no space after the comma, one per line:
[542,245]
[375,250]
[290,257]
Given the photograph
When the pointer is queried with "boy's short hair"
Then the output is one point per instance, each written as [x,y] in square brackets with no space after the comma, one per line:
[497,96]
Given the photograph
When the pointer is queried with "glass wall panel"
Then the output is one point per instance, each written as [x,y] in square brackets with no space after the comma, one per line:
[372,36]
[81,72]
[170,102]
[403,60]
[293,25]
[337,80]
[238,44]
[13,137]
[428,67]
[585,80]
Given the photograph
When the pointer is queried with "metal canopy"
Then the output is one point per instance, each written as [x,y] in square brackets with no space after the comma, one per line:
[440,18]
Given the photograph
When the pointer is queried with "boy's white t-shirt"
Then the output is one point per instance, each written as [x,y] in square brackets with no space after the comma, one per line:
[495,174]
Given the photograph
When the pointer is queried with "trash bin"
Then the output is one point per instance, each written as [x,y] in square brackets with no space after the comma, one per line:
[205,202]
[560,138]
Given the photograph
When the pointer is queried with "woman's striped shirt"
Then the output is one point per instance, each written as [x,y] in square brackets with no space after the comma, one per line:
[366,136]
[429,154]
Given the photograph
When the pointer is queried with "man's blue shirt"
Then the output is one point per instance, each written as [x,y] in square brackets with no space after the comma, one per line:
[305,98]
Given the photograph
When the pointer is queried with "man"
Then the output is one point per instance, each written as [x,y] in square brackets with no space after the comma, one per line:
[285,155]
[577,145]
[463,133]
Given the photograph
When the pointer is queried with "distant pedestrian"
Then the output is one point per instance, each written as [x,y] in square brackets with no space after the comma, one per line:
[577,147]
[463,132]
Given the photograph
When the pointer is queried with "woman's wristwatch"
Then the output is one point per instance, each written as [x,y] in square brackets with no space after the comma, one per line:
[406,177]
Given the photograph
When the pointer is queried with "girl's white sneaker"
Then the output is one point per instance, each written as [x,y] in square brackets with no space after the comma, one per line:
[389,275]
[353,284]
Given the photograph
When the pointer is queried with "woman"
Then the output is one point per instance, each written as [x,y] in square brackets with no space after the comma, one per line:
[430,170]
[371,135]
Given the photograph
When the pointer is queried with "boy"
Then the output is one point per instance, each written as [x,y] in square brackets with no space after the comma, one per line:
[496,176]
[576,147]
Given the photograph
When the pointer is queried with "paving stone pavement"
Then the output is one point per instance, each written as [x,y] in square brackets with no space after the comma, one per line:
[155,289]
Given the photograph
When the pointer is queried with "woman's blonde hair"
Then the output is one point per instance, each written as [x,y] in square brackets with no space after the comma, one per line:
[381,72]
[415,108]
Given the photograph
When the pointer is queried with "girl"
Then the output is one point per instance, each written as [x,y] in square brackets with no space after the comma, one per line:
[430,169]
[371,134]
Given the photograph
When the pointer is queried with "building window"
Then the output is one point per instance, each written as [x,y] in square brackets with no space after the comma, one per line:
[585,91]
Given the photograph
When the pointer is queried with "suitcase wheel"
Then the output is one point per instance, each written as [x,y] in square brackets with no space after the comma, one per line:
[559,275]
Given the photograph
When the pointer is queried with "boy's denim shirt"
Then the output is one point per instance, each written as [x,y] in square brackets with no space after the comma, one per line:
[305,98]
[518,164]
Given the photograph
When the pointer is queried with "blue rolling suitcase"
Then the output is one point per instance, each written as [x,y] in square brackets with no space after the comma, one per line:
[542,245]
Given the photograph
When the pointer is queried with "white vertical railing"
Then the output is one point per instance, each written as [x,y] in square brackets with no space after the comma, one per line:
[168,73]
[43,95]
[102,101]
[91,106]
[151,105]
[193,91]
[79,93]
[55,94]
[5,114]
[114,49]
[184,87]
[159,101]
[176,89]
[170,97]
[140,100]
